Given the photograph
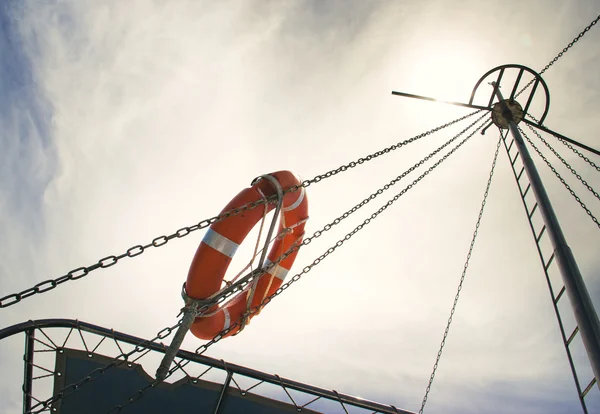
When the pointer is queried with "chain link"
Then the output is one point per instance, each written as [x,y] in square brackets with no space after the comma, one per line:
[95,374]
[582,156]
[562,180]
[159,241]
[109,261]
[571,147]
[177,365]
[349,235]
[395,180]
[462,278]
[204,347]
[560,54]
[565,163]
[376,154]
[240,286]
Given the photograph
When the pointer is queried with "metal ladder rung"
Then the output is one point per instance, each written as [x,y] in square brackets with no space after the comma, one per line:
[588,388]
[533,210]
[549,262]
[510,146]
[539,236]
[573,335]
[515,160]
[559,294]
[546,265]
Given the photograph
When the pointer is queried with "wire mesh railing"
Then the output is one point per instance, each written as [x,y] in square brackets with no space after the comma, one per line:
[59,350]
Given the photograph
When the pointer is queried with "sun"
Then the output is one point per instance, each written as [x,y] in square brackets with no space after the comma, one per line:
[446,70]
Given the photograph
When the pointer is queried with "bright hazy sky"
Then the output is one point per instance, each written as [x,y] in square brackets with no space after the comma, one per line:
[122,121]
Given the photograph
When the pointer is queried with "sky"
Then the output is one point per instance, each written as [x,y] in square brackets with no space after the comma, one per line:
[123,121]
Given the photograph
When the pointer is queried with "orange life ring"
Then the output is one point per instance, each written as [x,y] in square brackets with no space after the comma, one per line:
[221,241]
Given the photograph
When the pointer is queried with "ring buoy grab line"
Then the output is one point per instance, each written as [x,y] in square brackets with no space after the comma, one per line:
[221,241]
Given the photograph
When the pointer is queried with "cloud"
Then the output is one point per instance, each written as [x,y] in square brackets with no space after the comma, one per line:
[27,152]
[135,120]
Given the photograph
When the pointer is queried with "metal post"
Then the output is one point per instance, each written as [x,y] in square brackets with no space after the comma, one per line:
[28,369]
[189,315]
[223,391]
[193,307]
[585,314]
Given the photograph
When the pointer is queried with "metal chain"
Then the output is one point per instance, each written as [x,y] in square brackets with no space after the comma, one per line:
[109,261]
[376,154]
[395,180]
[140,393]
[137,250]
[336,221]
[562,180]
[565,163]
[582,156]
[203,348]
[560,54]
[462,278]
[98,372]
[220,298]
[164,333]
[571,147]
[95,374]
[349,235]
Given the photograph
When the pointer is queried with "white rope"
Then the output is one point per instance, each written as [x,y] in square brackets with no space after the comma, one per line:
[249,265]
[250,292]
[256,251]
[266,292]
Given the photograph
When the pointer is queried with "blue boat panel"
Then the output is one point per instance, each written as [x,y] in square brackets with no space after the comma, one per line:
[118,384]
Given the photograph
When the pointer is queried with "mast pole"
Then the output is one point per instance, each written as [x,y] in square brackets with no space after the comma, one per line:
[583,308]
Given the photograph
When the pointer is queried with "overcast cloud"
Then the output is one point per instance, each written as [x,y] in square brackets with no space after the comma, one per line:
[122,121]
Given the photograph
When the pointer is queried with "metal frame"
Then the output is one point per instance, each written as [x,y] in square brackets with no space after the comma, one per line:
[319,393]
[588,324]
[546,263]
[426,98]
[583,308]
[501,69]
[28,369]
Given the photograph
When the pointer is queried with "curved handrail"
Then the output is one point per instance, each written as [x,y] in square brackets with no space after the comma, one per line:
[212,362]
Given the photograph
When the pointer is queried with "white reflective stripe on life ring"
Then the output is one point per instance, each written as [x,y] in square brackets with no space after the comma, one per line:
[220,243]
[227,322]
[278,271]
[297,202]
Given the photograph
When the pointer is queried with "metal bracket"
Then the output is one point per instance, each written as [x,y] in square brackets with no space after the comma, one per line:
[263,255]
[537,80]
[279,191]
[193,307]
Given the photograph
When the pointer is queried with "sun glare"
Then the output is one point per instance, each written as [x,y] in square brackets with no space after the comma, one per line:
[446,71]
